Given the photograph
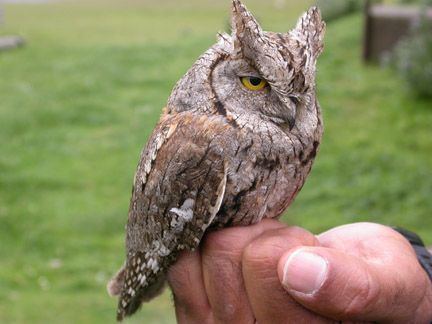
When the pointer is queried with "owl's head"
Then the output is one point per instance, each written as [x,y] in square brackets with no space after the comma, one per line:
[256,73]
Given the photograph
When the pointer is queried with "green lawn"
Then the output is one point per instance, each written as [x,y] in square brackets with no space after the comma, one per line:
[79,101]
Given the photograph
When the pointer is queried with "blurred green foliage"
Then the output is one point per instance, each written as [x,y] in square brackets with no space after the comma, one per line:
[417,2]
[412,56]
[333,9]
[413,59]
[79,101]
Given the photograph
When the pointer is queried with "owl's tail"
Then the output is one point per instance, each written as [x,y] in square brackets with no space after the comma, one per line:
[142,296]
[131,298]
[115,285]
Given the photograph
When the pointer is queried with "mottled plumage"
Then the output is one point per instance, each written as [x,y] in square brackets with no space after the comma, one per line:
[223,154]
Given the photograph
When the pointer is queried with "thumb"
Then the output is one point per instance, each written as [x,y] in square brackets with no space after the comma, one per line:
[340,286]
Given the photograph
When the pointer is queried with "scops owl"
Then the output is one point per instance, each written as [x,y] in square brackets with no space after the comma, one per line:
[234,144]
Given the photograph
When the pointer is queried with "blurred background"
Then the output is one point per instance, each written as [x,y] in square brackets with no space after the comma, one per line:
[83,85]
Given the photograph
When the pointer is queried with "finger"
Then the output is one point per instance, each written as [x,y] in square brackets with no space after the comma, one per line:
[268,299]
[344,287]
[221,263]
[186,282]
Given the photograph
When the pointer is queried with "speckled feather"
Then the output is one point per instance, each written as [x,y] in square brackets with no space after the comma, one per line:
[222,155]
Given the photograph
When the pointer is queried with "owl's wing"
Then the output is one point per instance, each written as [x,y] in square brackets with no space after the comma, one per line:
[178,190]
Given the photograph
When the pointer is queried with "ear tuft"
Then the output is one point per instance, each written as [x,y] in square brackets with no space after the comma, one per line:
[310,31]
[244,26]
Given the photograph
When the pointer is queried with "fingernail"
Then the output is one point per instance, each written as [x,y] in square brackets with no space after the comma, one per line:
[304,272]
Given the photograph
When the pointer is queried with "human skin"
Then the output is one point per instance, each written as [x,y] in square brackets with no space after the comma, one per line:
[273,273]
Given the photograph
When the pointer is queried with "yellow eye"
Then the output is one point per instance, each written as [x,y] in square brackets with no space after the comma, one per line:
[253,83]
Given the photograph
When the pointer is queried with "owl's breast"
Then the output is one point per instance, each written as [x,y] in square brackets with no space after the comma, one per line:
[265,172]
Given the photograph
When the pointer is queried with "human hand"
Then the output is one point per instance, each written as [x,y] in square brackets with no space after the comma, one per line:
[271,273]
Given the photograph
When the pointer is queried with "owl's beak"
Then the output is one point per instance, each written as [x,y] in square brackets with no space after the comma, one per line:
[291,123]
[290,112]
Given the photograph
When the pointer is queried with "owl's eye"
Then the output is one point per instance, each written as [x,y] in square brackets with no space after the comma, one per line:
[253,83]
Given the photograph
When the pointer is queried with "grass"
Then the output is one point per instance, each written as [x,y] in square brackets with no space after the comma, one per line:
[79,101]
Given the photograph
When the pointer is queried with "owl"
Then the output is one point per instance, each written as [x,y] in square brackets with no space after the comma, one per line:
[234,144]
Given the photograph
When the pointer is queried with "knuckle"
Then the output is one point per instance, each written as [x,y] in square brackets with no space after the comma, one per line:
[295,235]
[258,264]
[221,270]
[268,248]
[260,253]
[216,240]
[296,231]
[226,313]
[222,242]
[290,237]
